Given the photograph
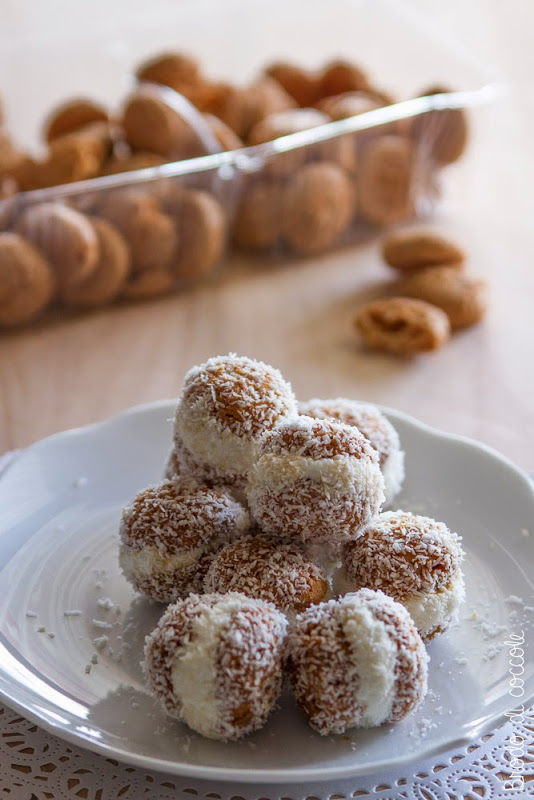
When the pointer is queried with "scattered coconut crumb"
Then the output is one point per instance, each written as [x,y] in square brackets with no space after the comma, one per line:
[74,612]
[94,659]
[461,661]
[106,603]
[87,669]
[51,635]
[490,629]
[422,728]
[100,642]
[41,629]
[492,652]
[514,600]
[31,614]
[102,624]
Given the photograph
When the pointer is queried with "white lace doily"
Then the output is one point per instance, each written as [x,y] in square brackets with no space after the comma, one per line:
[35,765]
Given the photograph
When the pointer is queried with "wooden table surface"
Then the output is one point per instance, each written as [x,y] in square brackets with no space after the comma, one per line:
[74,371]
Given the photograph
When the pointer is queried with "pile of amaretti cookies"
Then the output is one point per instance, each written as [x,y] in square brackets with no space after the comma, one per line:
[269,541]
[95,246]
[434,295]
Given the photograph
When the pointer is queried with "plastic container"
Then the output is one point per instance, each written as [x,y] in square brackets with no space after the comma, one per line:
[299,194]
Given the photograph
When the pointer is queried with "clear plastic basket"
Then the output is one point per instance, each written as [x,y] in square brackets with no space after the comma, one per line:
[310,190]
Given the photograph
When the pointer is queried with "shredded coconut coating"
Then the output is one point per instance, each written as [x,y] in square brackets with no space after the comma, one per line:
[366,417]
[170,533]
[316,480]
[173,467]
[226,405]
[355,662]
[206,474]
[404,554]
[376,428]
[269,569]
[244,672]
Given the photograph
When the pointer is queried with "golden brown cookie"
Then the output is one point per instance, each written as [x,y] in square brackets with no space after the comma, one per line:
[201,225]
[303,86]
[71,116]
[444,133]
[149,284]
[110,273]
[243,108]
[402,325]
[414,248]
[170,69]
[65,237]
[26,280]
[150,233]
[28,174]
[283,123]
[223,133]
[151,125]
[349,104]
[208,96]
[139,160]
[317,207]
[258,221]
[462,298]
[341,76]
[386,179]
[78,156]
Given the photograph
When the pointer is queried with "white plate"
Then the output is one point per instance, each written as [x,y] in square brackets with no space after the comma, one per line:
[60,504]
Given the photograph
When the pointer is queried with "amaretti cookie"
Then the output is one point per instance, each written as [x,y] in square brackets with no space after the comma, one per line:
[315,480]
[110,273]
[26,280]
[415,560]
[374,426]
[65,237]
[268,569]
[215,663]
[170,533]
[356,662]
[317,207]
[226,405]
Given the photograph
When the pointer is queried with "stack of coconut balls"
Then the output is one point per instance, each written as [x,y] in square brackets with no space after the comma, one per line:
[267,539]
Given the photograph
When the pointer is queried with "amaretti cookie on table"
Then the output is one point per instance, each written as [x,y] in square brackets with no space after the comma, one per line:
[414,559]
[215,663]
[170,533]
[227,404]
